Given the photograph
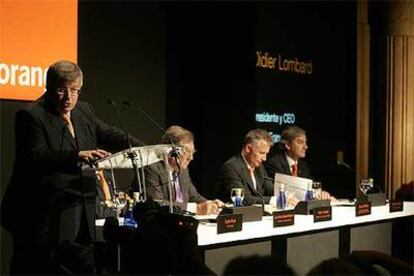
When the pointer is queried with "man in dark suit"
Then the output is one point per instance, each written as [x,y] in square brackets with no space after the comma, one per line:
[288,156]
[245,170]
[49,205]
[175,173]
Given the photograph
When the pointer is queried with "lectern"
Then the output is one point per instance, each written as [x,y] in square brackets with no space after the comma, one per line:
[133,158]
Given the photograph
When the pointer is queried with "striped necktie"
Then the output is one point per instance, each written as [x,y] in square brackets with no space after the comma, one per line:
[251,173]
[295,169]
[177,187]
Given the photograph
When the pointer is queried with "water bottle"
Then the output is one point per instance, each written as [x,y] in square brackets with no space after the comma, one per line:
[238,202]
[129,220]
[309,193]
[281,198]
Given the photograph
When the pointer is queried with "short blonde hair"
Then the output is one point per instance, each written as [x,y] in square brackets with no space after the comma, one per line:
[256,135]
[177,135]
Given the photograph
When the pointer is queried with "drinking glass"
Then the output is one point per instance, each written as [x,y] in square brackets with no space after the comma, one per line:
[317,189]
[365,185]
[237,196]
[120,201]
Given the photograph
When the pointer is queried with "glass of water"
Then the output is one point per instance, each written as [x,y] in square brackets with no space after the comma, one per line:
[237,196]
[366,185]
[120,201]
[317,189]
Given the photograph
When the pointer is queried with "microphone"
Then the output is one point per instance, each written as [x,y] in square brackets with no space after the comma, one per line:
[131,154]
[113,102]
[175,153]
[340,161]
[130,104]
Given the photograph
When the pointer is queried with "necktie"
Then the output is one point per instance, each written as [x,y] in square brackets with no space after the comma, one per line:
[104,184]
[177,187]
[69,124]
[251,173]
[295,169]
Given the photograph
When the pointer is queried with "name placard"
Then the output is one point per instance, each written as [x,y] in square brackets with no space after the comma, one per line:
[283,218]
[362,208]
[229,223]
[322,214]
[396,205]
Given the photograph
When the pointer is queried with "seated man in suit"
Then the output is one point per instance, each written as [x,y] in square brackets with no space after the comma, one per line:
[289,156]
[245,170]
[184,194]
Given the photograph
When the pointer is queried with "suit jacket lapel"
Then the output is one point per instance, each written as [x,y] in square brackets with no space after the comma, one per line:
[285,164]
[165,178]
[81,130]
[182,178]
[246,175]
[259,180]
[61,126]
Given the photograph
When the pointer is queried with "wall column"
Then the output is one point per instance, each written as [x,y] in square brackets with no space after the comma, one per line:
[398,86]
[362,105]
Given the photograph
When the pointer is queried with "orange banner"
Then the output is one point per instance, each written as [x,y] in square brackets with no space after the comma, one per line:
[33,35]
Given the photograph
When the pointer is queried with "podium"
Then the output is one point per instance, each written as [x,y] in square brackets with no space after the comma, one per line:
[133,158]
[143,156]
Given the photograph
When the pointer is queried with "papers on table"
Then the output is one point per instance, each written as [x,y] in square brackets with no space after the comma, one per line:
[293,184]
[342,202]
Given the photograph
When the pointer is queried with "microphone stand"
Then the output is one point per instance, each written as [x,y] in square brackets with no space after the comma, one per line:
[175,153]
[131,155]
[170,181]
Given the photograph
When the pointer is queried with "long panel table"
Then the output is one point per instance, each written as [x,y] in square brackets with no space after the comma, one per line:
[305,243]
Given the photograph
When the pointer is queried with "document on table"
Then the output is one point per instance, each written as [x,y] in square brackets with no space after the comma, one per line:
[293,184]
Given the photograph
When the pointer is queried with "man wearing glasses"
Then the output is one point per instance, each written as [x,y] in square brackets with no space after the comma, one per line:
[48,206]
[158,176]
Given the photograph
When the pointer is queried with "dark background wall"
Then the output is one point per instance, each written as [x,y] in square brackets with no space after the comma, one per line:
[122,52]
[323,102]
[193,64]
[210,80]
[215,89]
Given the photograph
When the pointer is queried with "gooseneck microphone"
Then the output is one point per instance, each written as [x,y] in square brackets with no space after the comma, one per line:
[131,155]
[112,102]
[130,104]
[340,161]
[175,151]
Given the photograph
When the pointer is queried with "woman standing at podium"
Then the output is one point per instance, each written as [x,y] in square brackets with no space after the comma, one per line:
[48,206]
